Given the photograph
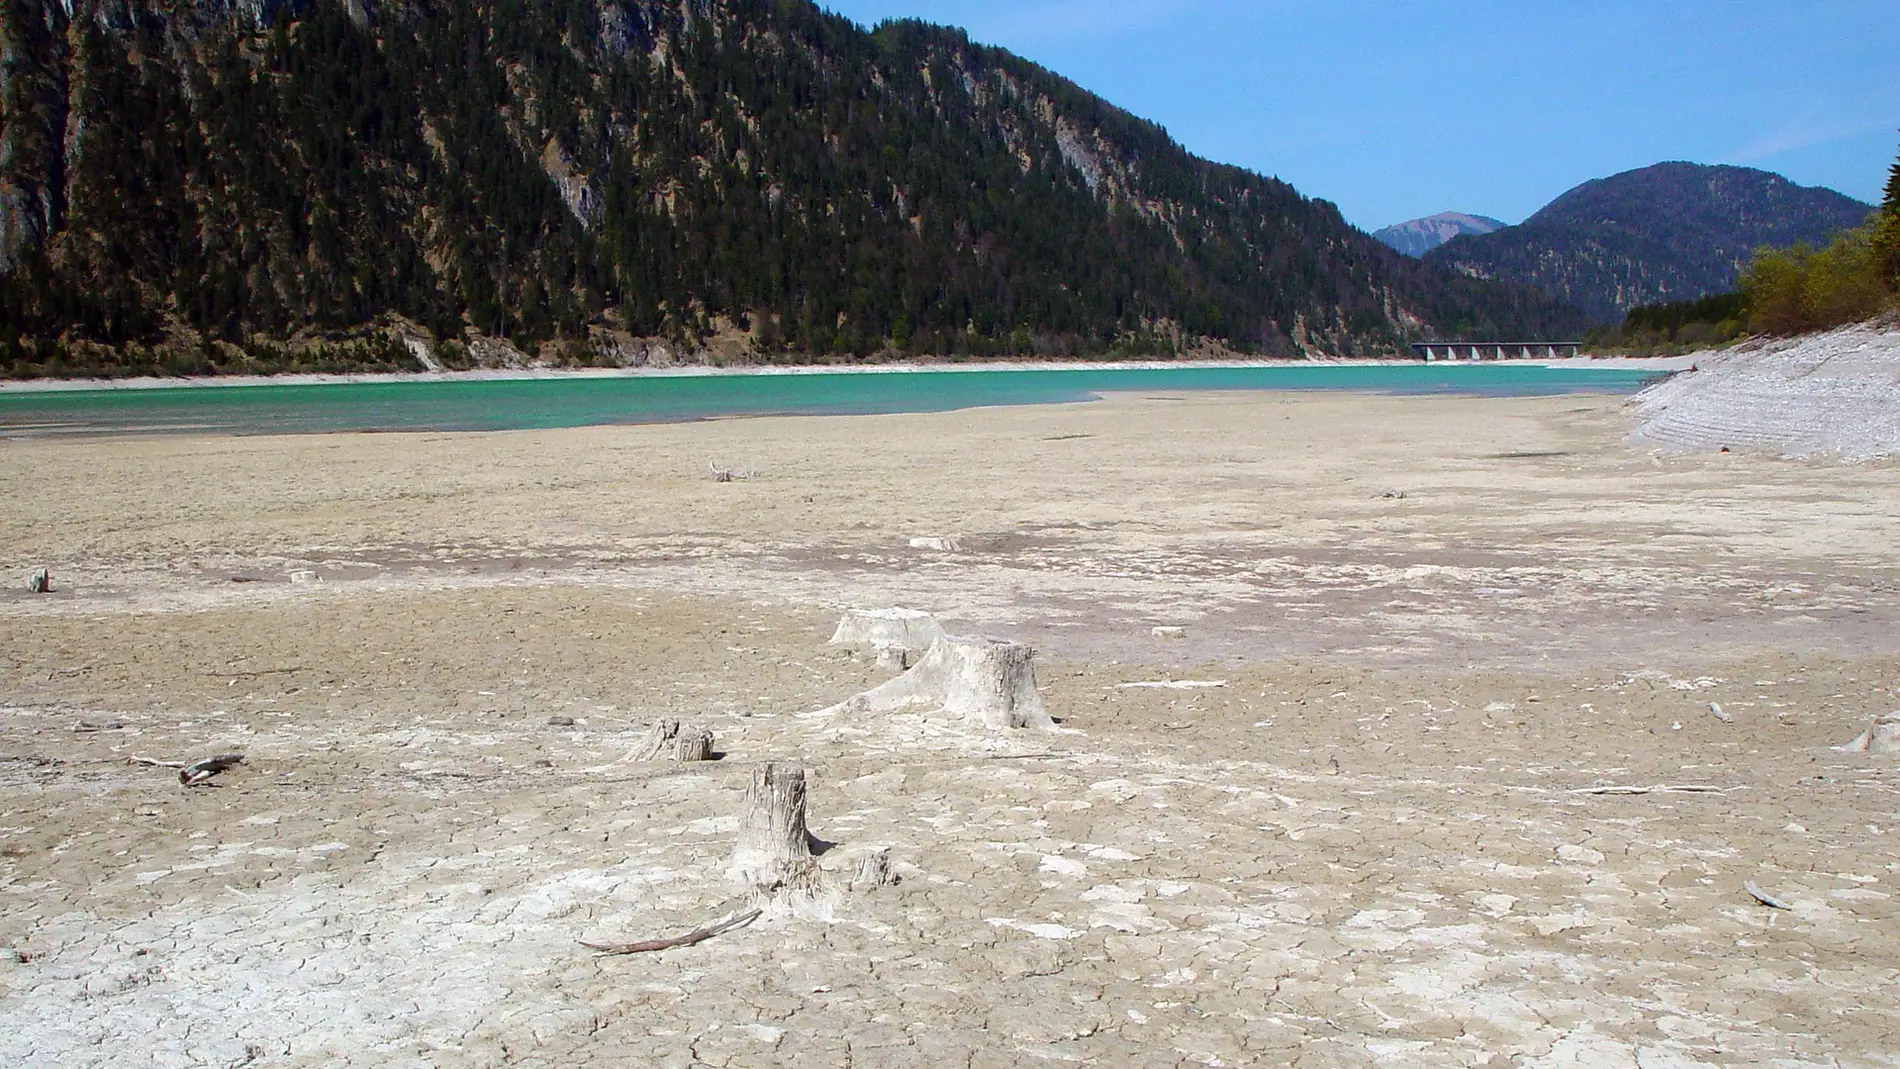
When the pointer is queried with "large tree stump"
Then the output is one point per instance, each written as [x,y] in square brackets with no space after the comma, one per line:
[987,680]
[774,851]
[903,629]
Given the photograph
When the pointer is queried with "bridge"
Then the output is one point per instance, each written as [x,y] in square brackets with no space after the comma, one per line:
[1495,350]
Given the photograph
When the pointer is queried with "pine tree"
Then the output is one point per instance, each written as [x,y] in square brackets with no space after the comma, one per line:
[1886,238]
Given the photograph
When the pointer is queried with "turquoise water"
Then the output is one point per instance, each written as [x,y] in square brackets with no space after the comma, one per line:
[517,404]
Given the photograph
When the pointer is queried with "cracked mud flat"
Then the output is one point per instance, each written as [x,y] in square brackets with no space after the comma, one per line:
[1370,847]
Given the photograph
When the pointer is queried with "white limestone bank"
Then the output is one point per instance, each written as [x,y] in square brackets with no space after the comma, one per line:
[1825,395]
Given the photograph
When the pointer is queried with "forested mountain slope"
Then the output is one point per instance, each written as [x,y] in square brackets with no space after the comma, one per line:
[197,185]
[1671,232]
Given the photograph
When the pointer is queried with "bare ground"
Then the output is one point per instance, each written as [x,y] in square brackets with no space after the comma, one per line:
[1373,845]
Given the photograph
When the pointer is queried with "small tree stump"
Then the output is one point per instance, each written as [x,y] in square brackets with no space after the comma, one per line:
[774,853]
[693,744]
[987,680]
[1882,737]
[662,739]
[874,871]
[41,583]
[902,629]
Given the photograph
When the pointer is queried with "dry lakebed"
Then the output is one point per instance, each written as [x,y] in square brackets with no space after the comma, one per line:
[1463,732]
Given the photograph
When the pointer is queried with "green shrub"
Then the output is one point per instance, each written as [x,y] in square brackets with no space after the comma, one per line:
[1802,289]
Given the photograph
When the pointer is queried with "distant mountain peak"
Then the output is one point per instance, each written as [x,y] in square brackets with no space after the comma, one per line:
[1669,232]
[1420,236]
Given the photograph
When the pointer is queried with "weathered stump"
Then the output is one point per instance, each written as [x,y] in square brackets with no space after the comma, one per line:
[774,851]
[902,629]
[987,680]
[661,739]
[874,871]
[1882,737]
[41,583]
[693,744]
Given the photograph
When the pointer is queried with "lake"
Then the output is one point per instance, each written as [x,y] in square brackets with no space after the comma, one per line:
[521,404]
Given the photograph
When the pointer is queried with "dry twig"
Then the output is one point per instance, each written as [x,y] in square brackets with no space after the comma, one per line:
[155,762]
[1660,788]
[729,923]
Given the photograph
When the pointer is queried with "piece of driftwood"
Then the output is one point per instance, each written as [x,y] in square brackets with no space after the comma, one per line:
[41,583]
[155,762]
[1772,902]
[1716,711]
[202,771]
[774,851]
[728,923]
[1660,788]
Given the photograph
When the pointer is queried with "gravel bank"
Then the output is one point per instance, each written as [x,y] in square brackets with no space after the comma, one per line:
[1826,395]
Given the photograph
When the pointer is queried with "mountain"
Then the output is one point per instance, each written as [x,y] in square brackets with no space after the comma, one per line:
[1672,232]
[224,185]
[1421,236]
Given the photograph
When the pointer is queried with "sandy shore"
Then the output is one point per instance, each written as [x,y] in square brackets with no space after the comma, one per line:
[1441,623]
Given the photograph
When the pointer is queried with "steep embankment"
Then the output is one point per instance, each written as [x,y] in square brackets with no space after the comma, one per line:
[1835,394]
[194,185]
[1671,232]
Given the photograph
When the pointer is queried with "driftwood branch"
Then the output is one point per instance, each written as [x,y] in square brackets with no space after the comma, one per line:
[1772,902]
[201,771]
[729,923]
[1660,788]
[155,762]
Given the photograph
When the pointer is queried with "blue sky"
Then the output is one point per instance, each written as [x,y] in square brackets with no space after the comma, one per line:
[1405,108]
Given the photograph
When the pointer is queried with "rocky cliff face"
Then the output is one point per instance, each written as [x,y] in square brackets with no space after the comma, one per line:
[1672,232]
[212,184]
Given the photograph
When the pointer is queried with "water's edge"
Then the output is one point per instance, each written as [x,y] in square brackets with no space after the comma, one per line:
[515,403]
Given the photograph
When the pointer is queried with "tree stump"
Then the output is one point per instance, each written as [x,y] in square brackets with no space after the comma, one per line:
[693,744]
[1882,737]
[874,871]
[41,583]
[986,680]
[670,738]
[903,629]
[774,852]
[662,738]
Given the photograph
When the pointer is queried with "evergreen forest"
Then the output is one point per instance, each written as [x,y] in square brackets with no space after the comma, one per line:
[207,186]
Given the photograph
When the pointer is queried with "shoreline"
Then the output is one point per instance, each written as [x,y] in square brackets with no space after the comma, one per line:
[92,385]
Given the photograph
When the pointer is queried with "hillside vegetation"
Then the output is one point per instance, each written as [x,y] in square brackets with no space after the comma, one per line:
[201,186]
[1668,233]
[1852,278]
